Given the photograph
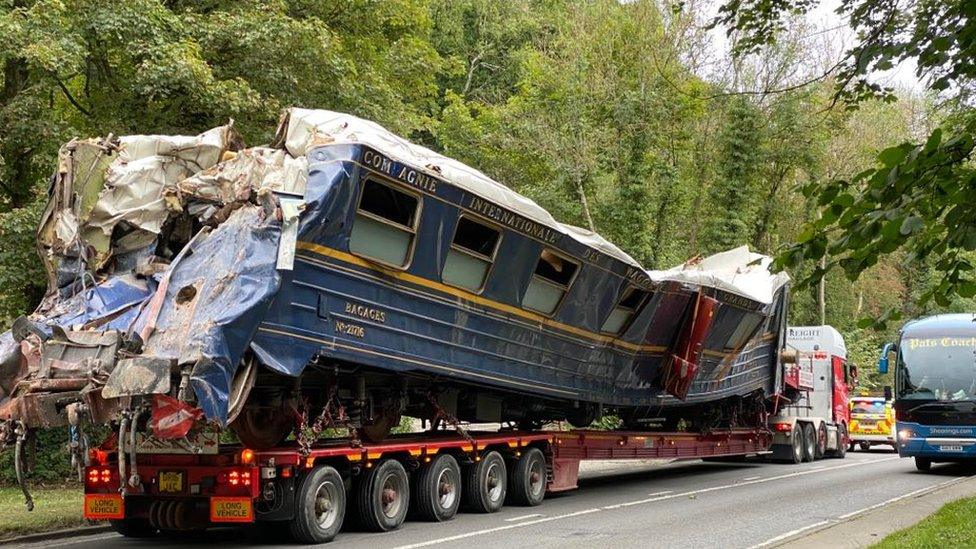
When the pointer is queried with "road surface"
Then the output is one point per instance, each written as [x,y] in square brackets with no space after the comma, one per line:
[686,504]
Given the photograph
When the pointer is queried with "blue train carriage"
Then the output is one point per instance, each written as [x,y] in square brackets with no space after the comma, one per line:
[421,287]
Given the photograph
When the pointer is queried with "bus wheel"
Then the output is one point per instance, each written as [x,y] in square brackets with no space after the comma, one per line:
[865,446]
[821,450]
[796,443]
[923,464]
[320,506]
[383,496]
[486,483]
[437,489]
[809,442]
[527,484]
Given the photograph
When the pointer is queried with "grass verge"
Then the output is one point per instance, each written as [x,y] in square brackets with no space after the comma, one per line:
[954,525]
[54,508]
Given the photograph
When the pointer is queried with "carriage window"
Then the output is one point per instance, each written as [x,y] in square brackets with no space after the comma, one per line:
[744,331]
[553,275]
[385,224]
[626,308]
[471,255]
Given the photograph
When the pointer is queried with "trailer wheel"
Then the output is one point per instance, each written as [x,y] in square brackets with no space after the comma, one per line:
[383,495]
[320,508]
[923,464]
[821,449]
[485,484]
[865,446]
[527,483]
[809,442]
[437,489]
[134,528]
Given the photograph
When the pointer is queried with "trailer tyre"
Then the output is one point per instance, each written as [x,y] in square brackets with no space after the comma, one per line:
[437,489]
[865,446]
[320,508]
[809,442]
[527,480]
[383,495]
[923,464]
[134,528]
[485,484]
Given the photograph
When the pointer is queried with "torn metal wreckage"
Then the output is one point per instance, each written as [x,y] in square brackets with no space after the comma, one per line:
[343,276]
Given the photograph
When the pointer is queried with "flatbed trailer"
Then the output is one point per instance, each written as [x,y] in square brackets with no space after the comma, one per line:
[314,490]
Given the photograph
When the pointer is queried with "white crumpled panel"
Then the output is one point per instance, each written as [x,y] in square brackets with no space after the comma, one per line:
[738,271]
[146,163]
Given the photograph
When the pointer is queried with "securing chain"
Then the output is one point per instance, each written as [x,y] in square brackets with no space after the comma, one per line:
[333,414]
[440,414]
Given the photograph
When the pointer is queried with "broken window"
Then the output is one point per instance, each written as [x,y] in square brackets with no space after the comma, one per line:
[385,225]
[471,255]
[553,275]
[743,332]
[626,309]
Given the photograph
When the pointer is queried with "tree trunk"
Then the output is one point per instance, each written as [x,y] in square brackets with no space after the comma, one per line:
[584,203]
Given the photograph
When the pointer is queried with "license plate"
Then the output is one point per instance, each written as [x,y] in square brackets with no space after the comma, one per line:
[950,448]
[170,481]
[104,506]
[223,509]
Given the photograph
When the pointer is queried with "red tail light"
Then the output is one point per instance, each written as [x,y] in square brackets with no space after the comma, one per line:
[784,427]
[98,476]
[236,477]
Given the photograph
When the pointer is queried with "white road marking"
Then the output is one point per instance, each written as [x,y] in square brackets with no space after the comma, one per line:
[638,502]
[497,529]
[523,517]
[899,498]
[790,534]
[750,478]
[661,493]
[845,516]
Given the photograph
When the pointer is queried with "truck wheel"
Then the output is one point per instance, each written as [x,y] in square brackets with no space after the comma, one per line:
[809,442]
[527,483]
[821,449]
[841,452]
[865,446]
[485,484]
[437,489]
[923,464]
[796,444]
[383,495]
[320,507]
[134,528]
[851,446]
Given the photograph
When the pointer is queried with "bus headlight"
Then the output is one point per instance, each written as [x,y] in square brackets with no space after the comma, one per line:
[904,435]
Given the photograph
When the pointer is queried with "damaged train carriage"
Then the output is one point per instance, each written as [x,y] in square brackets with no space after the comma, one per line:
[345,274]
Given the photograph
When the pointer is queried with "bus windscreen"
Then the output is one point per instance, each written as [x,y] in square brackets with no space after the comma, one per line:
[938,368]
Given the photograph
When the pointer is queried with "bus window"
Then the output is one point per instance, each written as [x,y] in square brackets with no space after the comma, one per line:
[471,255]
[385,224]
[626,308]
[552,278]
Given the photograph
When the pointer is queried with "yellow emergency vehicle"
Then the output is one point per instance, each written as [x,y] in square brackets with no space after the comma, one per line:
[872,422]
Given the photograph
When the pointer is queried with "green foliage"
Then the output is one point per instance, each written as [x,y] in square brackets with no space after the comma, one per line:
[954,525]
